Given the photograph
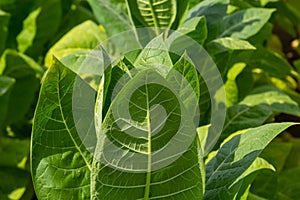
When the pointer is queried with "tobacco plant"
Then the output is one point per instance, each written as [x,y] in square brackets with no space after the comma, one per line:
[151,99]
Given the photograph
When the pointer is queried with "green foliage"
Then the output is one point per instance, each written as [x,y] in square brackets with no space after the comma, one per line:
[79,120]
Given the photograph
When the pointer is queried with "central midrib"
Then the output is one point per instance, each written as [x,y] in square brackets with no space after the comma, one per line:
[148,176]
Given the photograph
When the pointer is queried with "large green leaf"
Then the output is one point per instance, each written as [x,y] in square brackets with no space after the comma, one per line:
[214,11]
[154,13]
[246,23]
[146,143]
[235,157]
[274,99]
[4,20]
[82,38]
[60,161]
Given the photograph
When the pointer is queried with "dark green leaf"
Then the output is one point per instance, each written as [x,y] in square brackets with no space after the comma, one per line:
[246,23]
[214,11]
[235,157]
[144,142]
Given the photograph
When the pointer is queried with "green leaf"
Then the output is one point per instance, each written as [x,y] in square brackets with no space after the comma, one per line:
[184,79]
[274,99]
[14,152]
[60,161]
[110,16]
[194,28]
[214,11]
[231,87]
[5,84]
[84,37]
[13,170]
[26,73]
[235,157]
[4,21]
[289,187]
[245,180]
[157,14]
[33,37]
[221,45]
[155,55]
[188,75]
[246,23]
[13,183]
[271,63]
[150,146]
[239,117]
[182,9]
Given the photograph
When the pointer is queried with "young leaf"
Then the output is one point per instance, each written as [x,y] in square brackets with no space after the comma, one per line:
[214,11]
[246,23]
[146,143]
[235,157]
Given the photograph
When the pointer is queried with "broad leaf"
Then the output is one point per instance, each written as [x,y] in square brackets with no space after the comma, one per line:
[146,143]
[61,163]
[214,11]
[274,99]
[82,38]
[235,157]
[220,45]
[246,23]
